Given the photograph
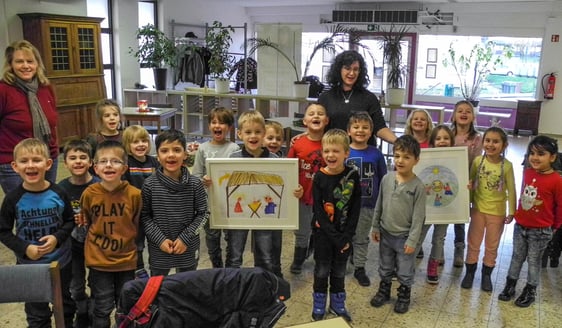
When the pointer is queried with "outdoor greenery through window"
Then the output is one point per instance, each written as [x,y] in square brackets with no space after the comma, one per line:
[514,77]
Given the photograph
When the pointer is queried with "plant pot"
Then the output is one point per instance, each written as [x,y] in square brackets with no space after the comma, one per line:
[395,96]
[300,89]
[222,85]
[160,77]
[474,102]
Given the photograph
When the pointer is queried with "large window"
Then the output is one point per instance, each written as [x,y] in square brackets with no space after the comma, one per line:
[147,15]
[102,8]
[515,77]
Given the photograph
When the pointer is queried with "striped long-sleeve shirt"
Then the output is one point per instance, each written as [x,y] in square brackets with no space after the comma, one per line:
[171,210]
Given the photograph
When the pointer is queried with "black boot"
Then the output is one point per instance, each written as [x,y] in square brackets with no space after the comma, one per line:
[469,276]
[527,297]
[508,291]
[403,303]
[298,260]
[383,294]
[486,278]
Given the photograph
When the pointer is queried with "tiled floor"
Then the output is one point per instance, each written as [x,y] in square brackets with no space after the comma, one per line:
[443,305]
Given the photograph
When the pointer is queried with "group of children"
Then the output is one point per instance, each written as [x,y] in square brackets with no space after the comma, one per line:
[345,192]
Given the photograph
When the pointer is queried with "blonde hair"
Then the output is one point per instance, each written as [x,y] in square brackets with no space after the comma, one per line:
[101,106]
[428,118]
[336,137]
[132,133]
[32,145]
[8,74]
[275,126]
[252,116]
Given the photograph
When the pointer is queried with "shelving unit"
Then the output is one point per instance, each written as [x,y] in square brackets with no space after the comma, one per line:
[197,103]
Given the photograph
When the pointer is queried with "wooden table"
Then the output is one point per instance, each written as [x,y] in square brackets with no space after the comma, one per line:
[155,115]
[408,108]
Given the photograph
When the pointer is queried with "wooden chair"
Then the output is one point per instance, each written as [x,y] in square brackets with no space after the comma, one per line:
[33,283]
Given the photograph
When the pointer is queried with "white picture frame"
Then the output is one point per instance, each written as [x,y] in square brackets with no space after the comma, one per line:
[253,193]
[444,172]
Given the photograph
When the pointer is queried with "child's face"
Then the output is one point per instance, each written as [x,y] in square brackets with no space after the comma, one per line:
[315,118]
[541,160]
[334,156]
[360,132]
[419,122]
[493,144]
[109,165]
[139,148]
[464,114]
[219,130]
[252,133]
[442,139]
[77,162]
[273,140]
[171,156]
[110,119]
[31,167]
[404,162]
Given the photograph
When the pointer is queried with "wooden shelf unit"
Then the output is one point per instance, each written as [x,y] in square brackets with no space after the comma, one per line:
[70,49]
[196,105]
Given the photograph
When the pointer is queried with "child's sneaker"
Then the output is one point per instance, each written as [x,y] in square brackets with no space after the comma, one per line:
[141,274]
[432,271]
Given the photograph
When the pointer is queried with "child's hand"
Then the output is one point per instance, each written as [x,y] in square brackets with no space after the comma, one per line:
[32,252]
[408,250]
[192,146]
[167,246]
[345,248]
[376,236]
[469,185]
[49,242]
[206,180]
[80,219]
[297,137]
[179,247]
[298,192]
[508,219]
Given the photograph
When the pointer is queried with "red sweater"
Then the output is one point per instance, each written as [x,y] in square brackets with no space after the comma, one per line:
[15,118]
[540,204]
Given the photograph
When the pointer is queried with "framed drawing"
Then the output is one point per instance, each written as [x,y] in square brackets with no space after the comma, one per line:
[430,71]
[444,172]
[432,55]
[253,193]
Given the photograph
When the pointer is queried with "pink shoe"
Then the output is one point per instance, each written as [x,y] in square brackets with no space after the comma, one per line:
[432,271]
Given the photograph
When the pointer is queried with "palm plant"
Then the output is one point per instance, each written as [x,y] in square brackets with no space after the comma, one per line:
[391,45]
[338,33]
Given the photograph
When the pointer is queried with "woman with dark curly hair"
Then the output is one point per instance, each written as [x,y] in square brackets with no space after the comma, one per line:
[348,93]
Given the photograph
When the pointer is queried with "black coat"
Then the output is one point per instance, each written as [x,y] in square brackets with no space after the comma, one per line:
[247,297]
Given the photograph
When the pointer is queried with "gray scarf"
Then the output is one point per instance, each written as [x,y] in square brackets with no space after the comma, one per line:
[41,129]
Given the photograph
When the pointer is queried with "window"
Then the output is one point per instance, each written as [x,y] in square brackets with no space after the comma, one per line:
[515,77]
[147,15]
[102,8]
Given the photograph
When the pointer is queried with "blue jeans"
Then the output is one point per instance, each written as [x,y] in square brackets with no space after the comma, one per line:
[528,243]
[263,248]
[213,241]
[106,289]
[39,313]
[330,263]
[9,179]
[302,235]
[393,259]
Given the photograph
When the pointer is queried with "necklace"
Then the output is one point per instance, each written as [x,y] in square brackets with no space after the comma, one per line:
[346,99]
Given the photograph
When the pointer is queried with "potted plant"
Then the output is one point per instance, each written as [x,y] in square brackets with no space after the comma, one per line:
[218,41]
[155,51]
[473,68]
[337,33]
[391,46]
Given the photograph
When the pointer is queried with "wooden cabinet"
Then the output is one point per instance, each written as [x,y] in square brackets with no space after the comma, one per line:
[70,49]
[527,116]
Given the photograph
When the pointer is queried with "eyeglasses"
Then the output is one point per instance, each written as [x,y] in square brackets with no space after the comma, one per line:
[113,162]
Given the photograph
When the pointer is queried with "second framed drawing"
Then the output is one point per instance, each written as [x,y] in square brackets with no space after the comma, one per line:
[253,193]
[444,172]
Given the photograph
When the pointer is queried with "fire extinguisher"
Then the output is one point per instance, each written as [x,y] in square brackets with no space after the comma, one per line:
[548,90]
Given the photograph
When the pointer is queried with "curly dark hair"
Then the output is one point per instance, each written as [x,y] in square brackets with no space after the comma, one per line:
[347,58]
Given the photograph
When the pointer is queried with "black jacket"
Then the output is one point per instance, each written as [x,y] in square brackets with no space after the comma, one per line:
[246,297]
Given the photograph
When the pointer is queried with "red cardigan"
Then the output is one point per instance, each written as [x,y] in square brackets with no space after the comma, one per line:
[15,118]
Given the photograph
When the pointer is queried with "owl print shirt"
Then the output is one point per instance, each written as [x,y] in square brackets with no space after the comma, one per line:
[540,203]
